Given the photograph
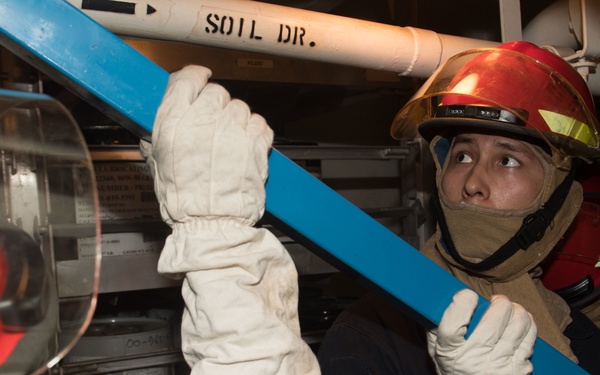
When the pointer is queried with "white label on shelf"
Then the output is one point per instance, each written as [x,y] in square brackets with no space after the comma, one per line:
[125,191]
[116,244]
[84,198]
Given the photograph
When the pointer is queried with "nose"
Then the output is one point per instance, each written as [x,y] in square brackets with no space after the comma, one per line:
[476,186]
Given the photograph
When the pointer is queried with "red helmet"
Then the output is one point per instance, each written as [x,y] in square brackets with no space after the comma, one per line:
[517,88]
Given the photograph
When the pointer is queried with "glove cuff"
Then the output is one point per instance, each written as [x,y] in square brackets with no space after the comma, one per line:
[209,243]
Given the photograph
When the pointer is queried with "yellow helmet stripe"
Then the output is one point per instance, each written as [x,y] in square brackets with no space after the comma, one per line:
[570,127]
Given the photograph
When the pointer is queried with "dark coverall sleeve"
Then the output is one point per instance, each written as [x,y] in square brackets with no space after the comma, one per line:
[373,338]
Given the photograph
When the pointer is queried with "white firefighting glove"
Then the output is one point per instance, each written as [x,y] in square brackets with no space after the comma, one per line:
[209,160]
[501,344]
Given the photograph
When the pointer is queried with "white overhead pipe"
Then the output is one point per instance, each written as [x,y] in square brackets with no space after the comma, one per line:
[277,30]
[552,26]
[571,28]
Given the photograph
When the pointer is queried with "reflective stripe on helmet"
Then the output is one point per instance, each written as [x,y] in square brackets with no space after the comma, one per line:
[569,127]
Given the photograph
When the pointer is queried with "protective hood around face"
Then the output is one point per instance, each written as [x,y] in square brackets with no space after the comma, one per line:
[477,233]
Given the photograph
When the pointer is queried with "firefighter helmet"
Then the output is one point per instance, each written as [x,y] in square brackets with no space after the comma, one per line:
[517,88]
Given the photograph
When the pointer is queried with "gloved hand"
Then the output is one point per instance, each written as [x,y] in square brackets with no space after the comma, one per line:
[501,344]
[208,152]
[209,161]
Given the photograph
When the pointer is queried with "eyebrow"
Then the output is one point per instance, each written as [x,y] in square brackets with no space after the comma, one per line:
[463,139]
[508,146]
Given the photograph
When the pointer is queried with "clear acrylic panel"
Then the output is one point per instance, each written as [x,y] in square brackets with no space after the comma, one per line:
[49,233]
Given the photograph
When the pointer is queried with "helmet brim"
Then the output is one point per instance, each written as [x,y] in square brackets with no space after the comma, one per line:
[449,127]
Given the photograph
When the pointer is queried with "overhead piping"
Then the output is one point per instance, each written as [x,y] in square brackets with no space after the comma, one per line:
[571,28]
[282,31]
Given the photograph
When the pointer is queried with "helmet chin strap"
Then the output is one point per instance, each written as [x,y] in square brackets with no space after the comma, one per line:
[532,230]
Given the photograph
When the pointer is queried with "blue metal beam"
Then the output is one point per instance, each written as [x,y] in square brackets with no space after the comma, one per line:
[75,51]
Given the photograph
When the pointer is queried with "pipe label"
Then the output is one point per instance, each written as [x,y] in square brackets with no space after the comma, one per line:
[232,24]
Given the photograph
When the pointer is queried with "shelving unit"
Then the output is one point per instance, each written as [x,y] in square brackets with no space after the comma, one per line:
[384,181]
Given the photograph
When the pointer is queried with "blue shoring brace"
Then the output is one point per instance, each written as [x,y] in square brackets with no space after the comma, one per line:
[75,51]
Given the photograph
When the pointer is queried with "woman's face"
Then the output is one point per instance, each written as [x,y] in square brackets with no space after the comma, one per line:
[492,172]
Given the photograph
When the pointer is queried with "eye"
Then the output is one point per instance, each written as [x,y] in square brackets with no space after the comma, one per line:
[510,162]
[463,158]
